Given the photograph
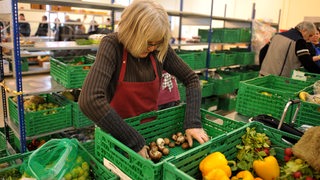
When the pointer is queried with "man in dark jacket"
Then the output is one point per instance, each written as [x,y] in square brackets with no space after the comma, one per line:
[24,26]
[288,51]
[43,27]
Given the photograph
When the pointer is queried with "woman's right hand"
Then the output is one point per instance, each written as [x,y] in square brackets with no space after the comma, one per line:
[144,152]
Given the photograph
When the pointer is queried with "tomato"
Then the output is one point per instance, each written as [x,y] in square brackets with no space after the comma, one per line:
[287,158]
[297,174]
[288,152]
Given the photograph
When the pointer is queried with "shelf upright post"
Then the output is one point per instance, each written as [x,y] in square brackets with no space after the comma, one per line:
[112,17]
[18,73]
[209,41]
[253,16]
[180,23]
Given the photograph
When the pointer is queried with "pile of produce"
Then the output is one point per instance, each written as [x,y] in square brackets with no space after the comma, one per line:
[256,160]
[161,147]
[312,98]
[37,103]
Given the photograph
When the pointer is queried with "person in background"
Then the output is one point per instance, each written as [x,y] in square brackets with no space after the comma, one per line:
[316,45]
[80,29]
[288,51]
[24,27]
[43,27]
[93,27]
[56,25]
[169,93]
[125,79]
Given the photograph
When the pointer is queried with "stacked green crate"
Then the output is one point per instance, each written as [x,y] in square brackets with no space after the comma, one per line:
[221,35]
[24,64]
[230,57]
[217,60]
[195,59]
[225,82]
[71,71]
[245,35]
[227,102]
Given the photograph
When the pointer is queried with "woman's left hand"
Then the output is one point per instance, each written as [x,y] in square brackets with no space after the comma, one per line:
[196,133]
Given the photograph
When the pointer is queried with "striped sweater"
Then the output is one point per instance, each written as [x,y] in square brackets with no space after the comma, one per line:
[100,84]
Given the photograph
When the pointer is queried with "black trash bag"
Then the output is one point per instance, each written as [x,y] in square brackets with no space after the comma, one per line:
[274,123]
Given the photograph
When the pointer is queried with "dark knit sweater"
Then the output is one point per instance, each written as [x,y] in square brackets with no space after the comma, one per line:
[99,88]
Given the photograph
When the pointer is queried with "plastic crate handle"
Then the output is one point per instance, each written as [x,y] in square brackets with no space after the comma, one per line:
[291,102]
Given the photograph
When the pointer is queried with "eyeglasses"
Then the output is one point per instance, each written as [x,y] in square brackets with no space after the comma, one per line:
[157,44]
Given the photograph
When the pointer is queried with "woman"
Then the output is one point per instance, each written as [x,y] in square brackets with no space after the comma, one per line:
[124,81]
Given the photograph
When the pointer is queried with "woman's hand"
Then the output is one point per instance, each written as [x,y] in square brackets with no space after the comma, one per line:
[144,152]
[196,133]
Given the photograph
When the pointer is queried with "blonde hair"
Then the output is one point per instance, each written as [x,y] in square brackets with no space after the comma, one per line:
[141,22]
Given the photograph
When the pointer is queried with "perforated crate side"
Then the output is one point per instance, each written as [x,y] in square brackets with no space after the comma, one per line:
[268,95]
[217,60]
[68,75]
[43,121]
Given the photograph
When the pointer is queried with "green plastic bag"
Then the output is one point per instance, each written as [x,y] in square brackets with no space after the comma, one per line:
[52,160]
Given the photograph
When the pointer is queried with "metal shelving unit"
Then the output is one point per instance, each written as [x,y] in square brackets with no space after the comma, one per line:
[70,45]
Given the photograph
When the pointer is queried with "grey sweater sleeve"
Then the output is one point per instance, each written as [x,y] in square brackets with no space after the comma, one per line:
[115,125]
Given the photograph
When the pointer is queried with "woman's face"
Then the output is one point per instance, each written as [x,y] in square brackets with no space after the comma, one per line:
[152,46]
[315,38]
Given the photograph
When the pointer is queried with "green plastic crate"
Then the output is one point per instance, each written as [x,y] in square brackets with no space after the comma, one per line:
[245,35]
[13,163]
[3,145]
[186,166]
[44,121]
[210,103]
[167,122]
[217,35]
[230,57]
[206,88]
[24,65]
[228,84]
[195,59]
[71,72]
[203,33]
[217,60]
[227,103]
[268,95]
[309,113]
[79,120]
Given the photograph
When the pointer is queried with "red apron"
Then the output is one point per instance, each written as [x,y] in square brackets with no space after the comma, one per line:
[134,98]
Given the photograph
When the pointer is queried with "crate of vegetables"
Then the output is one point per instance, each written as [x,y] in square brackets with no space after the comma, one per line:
[239,154]
[85,167]
[166,130]
[71,71]
[268,95]
[43,113]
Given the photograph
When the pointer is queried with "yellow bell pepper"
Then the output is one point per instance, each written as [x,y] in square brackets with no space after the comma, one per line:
[243,175]
[267,169]
[214,160]
[216,174]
